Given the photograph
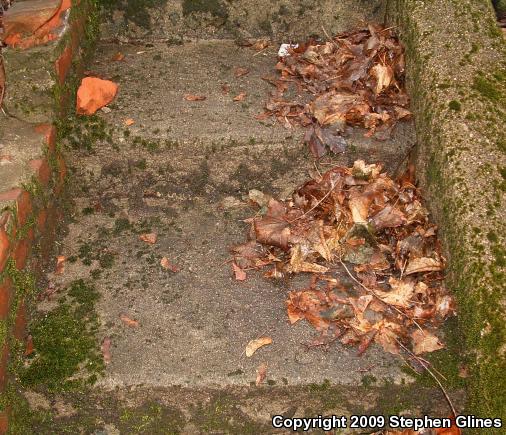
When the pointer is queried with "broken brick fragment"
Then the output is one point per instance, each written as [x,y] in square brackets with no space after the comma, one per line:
[93,94]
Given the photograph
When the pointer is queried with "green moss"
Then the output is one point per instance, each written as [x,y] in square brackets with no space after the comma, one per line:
[65,343]
[151,418]
[214,7]
[83,132]
[222,414]
[86,253]
[455,105]
[22,419]
[106,260]
[135,11]
[121,225]
[487,88]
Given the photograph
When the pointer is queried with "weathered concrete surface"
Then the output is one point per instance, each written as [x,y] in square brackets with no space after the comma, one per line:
[30,80]
[236,410]
[183,170]
[284,20]
[456,70]
[20,144]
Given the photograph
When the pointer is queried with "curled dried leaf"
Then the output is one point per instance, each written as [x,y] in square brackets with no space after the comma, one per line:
[194,97]
[166,264]
[106,349]
[148,238]
[240,97]
[129,321]
[240,275]
[60,264]
[256,344]
[239,72]
[261,374]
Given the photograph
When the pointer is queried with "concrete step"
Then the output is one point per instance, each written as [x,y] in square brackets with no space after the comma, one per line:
[183,170]
[179,20]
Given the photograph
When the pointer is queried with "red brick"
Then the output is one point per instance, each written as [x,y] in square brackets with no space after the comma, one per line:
[20,322]
[5,298]
[41,169]
[41,220]
[62,167]
[4,360]
[22,250]
[63,63]
[4,422]
[62,172]
[10,195]
[8,224]
[49,132]
[4,248]
[23,203]
[24,207]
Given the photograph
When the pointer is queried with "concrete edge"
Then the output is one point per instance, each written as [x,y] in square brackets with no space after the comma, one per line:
[456,59]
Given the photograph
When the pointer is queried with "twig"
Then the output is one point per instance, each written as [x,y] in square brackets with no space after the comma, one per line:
[367,289]
[261,51]
[425,366]
[330,38]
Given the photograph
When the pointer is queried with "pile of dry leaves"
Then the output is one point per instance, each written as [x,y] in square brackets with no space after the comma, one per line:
[355,79]
[372,254]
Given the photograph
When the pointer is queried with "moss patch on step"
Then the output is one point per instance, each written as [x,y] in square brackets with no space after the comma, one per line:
[66,348]
[134,11]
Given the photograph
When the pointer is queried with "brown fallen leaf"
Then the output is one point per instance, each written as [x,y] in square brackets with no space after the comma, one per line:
[148,238]
[424,341]
[60,264]
[118,56]
[128,321]
[166,264]
[256,344]
[29,348]
[106,349]
[261,374]
[384,76]
[240,97]
[260,44]
[272,231]
[240,275]
[239,72]
[401,293]
[453,430]
[397,432]
[423,264]
[128,122]
[225,88]
[193,97]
